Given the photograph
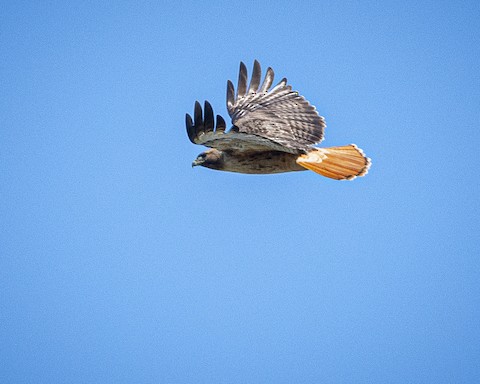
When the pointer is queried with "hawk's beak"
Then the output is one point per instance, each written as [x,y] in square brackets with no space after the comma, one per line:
[197,161]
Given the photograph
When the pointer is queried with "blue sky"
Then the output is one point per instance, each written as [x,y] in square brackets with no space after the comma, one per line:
[120,263]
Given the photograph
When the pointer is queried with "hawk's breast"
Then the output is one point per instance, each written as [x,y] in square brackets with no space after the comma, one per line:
[260,162]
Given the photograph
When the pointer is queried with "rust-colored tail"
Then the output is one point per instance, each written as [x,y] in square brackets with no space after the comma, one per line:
[340,163]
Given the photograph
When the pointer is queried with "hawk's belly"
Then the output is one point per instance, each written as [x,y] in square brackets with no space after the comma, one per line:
[261,162]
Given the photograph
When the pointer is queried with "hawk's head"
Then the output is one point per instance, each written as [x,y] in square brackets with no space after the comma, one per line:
[213,158]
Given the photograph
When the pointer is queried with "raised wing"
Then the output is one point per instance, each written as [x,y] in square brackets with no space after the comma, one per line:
[201,130]
[280,115]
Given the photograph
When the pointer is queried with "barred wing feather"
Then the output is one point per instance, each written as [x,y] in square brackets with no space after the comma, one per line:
[280,114]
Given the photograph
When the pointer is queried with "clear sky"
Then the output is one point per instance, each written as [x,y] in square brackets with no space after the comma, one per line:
[119,263]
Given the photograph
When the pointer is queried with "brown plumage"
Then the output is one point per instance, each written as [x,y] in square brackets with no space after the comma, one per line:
[274,130]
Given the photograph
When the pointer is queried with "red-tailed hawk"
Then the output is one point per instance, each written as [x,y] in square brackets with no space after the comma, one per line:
[274,130]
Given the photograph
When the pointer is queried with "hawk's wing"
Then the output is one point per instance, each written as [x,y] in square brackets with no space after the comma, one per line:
[280,115]
[201,131]
[263,120]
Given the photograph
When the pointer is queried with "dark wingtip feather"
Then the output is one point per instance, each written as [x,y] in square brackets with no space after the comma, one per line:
[198,114]
[221,125]
[208,118]
[230,95]
[190,128]
[242,80]
[198,118]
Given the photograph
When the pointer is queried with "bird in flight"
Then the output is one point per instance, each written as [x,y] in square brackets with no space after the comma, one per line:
[273,131]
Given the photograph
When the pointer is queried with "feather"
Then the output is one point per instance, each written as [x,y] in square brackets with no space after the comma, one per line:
[242,81]
[280,85]
[267,82]
[198,118]
[221,126]
[230,96]
[256,75]
[190,128]
[340,163]
[209,121]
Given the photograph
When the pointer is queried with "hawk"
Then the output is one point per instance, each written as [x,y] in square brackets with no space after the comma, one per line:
[273,131]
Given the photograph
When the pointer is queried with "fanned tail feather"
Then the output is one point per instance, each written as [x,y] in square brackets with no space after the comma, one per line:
[339,163]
